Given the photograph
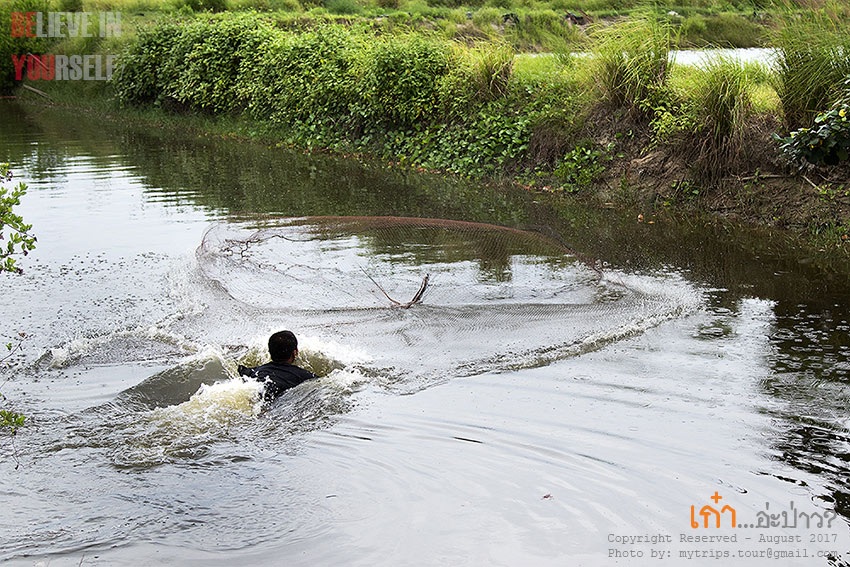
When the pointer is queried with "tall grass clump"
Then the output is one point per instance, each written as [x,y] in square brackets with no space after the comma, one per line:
[813,58]
[630,63]
[722,107]
[477,75]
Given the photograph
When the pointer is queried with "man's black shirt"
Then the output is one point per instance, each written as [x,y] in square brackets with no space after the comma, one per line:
[278,377]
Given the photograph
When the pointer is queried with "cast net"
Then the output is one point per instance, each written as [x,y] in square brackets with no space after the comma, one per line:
[425,299]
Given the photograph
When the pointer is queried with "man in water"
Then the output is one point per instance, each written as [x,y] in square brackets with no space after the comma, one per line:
[280,374]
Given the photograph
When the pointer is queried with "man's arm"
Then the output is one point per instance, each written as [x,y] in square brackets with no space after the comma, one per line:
[245,371]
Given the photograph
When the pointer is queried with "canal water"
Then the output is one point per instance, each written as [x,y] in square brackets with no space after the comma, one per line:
[505,378]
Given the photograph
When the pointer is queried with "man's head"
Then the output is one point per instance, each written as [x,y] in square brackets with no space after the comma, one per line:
[283,346]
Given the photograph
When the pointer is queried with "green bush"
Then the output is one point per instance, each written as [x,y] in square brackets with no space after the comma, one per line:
[206,59]
[398,85]
[297,78]
[195,65]
[827,142]
[139,79]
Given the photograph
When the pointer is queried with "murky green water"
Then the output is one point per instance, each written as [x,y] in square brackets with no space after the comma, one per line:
[572,383]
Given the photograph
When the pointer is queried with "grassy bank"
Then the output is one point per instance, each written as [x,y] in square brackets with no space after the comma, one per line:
[620,125]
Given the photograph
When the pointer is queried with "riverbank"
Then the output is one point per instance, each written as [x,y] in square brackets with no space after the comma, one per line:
[627,131]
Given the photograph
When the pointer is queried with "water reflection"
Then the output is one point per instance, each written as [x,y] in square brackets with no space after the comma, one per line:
[811,364]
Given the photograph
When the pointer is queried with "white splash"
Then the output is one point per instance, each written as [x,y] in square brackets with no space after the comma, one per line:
[218,404]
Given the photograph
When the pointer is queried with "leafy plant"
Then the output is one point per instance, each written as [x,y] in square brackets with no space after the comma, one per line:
[827,142]
[13,229]
[140,79]
[11,420]
[398,85]
[580,167]
[303,81]
[17,44]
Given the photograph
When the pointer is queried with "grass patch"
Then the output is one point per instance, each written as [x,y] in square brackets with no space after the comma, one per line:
[630,63]
[722,105]
[722,30]
[814,59]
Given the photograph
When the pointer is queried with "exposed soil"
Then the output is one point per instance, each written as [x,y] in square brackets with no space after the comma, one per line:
[752,183]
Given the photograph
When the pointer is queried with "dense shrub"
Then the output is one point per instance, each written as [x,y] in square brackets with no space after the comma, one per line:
[193,65]
[140,78]
[302,77]
[398,85]
[206,59]
[827,142]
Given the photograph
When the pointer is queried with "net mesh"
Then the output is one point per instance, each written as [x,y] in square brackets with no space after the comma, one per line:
[430,297]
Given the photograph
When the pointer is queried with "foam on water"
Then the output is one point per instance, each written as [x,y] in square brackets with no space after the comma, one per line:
[220,404]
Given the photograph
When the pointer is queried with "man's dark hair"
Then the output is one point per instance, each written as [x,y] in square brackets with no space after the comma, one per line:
[281,346]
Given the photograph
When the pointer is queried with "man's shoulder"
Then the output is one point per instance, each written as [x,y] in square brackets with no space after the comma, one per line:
[287,368]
